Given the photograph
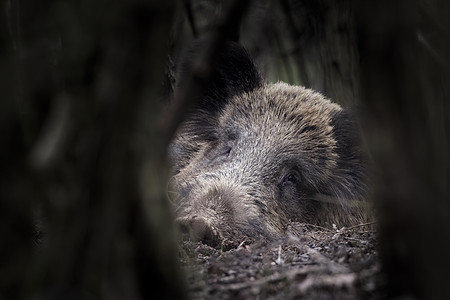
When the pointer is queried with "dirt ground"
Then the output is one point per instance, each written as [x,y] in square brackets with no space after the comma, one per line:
[311,263]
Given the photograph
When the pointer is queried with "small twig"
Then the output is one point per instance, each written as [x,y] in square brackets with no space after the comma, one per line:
[317,227]
[279,260]
[361,225]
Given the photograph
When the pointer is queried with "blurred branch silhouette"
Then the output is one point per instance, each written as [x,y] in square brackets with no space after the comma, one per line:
[84,154]
[404,48]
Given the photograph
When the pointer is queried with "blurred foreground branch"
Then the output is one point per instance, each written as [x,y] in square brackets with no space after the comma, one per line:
[405,89]
[196,82]
[84,152]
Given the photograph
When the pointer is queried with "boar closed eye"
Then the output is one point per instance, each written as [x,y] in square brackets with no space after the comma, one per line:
[220,153]
[289,179]
[226,151]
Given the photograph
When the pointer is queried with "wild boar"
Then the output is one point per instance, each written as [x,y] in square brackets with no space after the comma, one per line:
[252,156]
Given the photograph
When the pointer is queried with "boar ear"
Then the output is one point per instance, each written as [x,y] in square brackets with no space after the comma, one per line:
[230,73]
[348,180]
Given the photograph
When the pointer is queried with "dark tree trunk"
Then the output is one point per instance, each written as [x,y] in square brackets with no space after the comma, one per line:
[82,151]
[405,68]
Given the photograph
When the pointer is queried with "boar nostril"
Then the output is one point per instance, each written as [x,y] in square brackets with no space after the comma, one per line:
[202,231]
[198,229]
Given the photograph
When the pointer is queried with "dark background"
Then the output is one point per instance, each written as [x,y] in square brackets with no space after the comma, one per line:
[84,127]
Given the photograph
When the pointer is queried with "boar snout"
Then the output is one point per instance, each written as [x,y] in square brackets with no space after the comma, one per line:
[222,213]
[198,229]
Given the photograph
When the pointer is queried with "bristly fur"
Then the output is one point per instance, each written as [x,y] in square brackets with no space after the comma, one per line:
[251,156]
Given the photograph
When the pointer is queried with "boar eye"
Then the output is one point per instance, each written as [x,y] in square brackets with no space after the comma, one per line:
[218,152]
[289,179]
[226,151]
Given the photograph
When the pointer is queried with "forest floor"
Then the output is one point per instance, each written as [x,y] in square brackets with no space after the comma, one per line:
[312,263]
